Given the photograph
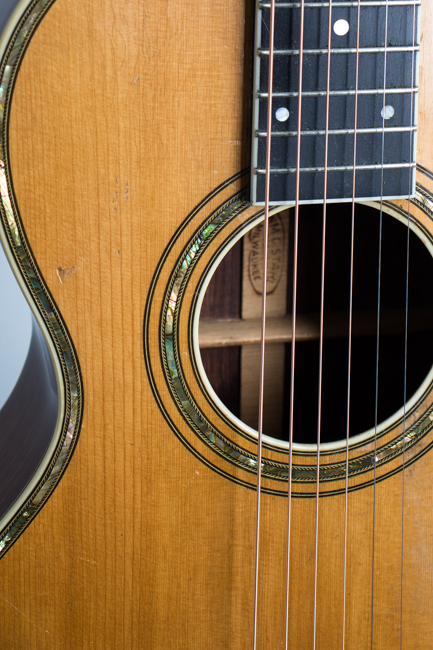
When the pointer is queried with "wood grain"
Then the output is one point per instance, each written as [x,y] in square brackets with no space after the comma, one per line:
[125,116]
[252,268]
[221,333]
[252,305]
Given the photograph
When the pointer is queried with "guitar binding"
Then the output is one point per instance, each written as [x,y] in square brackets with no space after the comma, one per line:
[223,433]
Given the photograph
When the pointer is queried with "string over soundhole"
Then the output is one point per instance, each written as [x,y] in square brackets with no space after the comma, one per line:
[230,332]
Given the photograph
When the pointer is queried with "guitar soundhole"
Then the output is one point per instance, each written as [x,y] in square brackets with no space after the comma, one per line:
[233,297]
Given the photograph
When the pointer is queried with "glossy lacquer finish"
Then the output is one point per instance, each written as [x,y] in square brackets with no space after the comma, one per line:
[128,133]
[27,422]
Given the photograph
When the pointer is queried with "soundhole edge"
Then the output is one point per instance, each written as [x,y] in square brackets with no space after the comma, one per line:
[389,411]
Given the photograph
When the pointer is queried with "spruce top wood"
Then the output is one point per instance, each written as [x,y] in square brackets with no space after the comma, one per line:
[124,120]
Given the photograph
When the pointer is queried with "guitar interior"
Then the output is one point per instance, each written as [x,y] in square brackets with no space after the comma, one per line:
[234,295]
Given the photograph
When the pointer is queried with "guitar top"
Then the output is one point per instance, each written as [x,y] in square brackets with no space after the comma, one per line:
[126,135]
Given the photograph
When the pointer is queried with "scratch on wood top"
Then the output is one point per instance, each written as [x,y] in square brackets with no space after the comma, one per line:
[62,274]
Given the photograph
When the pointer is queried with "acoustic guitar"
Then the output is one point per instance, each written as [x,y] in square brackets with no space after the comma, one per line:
[133,175]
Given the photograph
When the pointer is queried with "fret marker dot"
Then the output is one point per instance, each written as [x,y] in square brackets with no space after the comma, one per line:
[387,112]
[341,27]
[282,114]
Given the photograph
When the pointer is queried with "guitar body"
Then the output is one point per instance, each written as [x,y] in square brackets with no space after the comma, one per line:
[126,124]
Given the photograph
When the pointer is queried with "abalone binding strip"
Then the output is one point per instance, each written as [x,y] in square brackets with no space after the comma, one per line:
[393,439]
[34,495]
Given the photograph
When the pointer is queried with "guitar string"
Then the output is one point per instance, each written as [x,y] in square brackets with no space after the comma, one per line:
[379,274]
[406,319]
[322,308]
[349,354]
[322,299]
[294,307]
[263,324]
[404,419]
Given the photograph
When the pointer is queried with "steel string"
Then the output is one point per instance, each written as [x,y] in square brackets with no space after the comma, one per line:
[322,309]
[378,322]
[349,360]
[406,318]
[294,308]
[263,324]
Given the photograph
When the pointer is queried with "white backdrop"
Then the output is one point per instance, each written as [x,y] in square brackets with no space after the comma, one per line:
[15,317]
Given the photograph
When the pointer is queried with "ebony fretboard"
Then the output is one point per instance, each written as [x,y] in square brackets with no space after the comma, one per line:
[385,160]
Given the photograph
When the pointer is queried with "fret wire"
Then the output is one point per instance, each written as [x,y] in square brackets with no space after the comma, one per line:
[292,170]
[396,97]
[375,3]
[343,50]
[378,129]
[322,93]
